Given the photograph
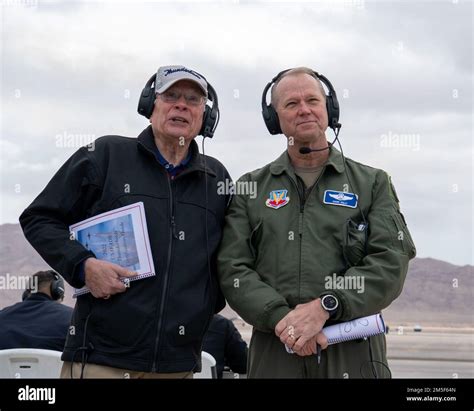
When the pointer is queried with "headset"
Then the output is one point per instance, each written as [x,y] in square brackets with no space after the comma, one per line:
[270,116]
[211,114]
[57,287]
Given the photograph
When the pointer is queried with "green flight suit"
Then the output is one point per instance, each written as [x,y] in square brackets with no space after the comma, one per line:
[282,250]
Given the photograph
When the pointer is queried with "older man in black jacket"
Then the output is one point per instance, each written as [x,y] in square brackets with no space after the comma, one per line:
[154,328]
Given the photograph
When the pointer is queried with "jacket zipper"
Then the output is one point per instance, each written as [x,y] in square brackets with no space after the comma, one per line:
[300,224]
[300,230]
[172,234]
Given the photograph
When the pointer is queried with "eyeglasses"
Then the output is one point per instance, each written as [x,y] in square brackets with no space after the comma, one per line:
[192,99]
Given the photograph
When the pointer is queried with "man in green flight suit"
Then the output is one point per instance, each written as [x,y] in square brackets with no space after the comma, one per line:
[323,241]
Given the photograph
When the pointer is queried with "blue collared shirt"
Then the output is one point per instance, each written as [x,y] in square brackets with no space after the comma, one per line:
[173,170]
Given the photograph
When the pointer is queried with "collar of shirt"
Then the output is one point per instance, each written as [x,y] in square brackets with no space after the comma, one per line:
[173,170]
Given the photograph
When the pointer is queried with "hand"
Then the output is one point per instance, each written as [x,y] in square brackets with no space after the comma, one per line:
[309,348]
[103,278]
[301,324]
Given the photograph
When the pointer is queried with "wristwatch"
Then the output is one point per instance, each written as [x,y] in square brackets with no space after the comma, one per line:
[330,303]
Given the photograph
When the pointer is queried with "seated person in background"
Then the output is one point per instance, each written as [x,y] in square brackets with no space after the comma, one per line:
[40,320]
[224,342]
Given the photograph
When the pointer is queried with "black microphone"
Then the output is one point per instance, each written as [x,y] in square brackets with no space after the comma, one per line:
[307,150]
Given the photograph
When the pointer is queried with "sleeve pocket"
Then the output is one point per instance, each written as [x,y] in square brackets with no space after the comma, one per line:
[402,239]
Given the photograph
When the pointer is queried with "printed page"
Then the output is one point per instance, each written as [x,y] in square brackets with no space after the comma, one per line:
[119,236]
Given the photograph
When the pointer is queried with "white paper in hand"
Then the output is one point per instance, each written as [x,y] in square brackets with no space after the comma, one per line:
[118,236]
[355,329]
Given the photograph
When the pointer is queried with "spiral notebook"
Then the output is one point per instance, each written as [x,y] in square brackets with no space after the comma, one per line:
[352,330]
[119,236]
[355,329]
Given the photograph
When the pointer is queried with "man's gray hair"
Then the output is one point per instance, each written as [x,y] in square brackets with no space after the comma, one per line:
[297,70]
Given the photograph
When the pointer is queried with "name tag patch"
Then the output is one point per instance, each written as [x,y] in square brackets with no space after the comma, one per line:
[340,198]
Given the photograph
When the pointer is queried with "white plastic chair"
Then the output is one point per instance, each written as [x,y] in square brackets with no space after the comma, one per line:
[208,369]
[30,363]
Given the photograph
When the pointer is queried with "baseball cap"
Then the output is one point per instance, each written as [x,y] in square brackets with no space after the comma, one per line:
[168,75]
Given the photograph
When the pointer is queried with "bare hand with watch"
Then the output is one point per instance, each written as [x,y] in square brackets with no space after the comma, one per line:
[301,329]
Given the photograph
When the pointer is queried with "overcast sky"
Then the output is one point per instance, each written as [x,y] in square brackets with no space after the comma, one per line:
[73,71]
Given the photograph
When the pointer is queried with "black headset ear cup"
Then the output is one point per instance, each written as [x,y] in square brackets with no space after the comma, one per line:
[211,114]
[57,287]
[146,102]
[270,117]
[332,104]
[205,122]
[332,108]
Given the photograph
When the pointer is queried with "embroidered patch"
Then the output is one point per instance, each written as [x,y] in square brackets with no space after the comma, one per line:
[340,198]
[277,199]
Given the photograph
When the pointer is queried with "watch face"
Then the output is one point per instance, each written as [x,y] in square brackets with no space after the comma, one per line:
[329,302]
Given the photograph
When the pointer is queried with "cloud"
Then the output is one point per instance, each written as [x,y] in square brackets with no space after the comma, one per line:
[74,71]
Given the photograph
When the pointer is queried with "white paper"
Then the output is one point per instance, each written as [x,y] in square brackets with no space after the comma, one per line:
[119,236]
[355,329]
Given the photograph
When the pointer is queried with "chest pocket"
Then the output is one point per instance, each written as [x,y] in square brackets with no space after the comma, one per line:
[354,242]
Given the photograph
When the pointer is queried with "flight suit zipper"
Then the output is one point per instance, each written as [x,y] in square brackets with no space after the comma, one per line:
[302,201]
